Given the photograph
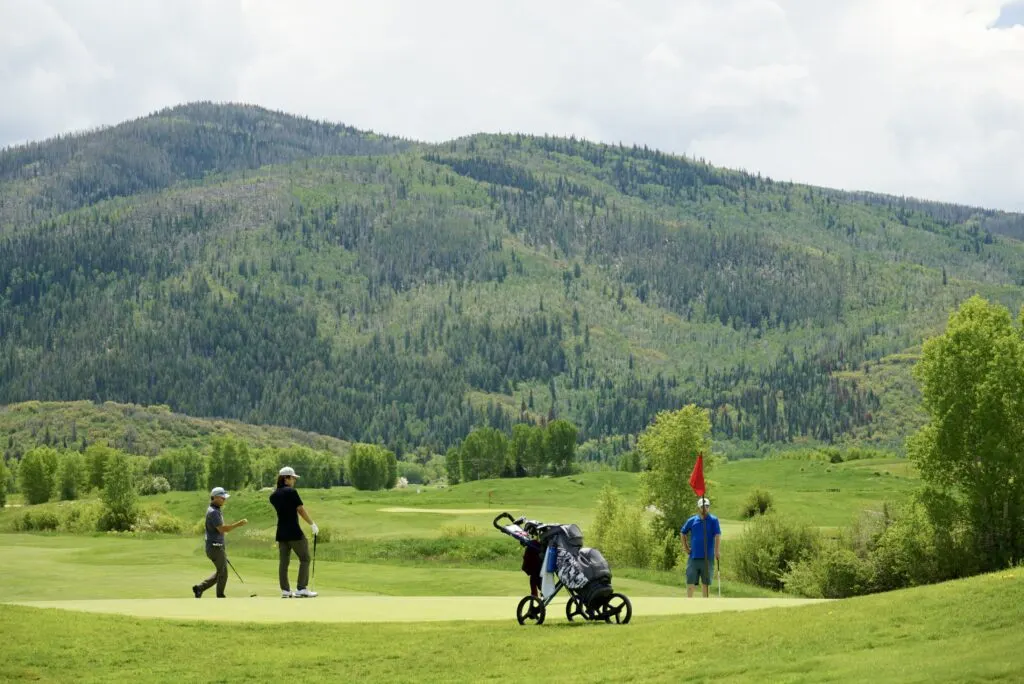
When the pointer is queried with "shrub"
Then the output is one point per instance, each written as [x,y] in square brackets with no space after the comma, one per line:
[325,535]
[154,485]
[38,520]
[769,546]
[413,473]
[925,541]
[38,474]
[80,518]
[4,479]
[629,541]
[630,462]
[119,498]
[758,502]
[835,571]
[608,505]
[73,475]
[454,531]
[160,523]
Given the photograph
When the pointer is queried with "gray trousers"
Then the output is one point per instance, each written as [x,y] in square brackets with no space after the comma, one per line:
[284,551]
[219,577]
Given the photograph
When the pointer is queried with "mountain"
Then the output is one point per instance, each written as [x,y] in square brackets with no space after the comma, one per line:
[229,261]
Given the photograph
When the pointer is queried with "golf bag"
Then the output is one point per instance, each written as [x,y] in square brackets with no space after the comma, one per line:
[580,568]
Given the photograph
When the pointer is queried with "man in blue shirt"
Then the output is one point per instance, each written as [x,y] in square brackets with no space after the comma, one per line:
[705,533]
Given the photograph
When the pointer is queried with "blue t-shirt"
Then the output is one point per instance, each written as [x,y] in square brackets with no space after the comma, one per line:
[698,529]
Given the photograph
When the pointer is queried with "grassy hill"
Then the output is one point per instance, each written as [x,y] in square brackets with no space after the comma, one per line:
[232,262]
[144,430]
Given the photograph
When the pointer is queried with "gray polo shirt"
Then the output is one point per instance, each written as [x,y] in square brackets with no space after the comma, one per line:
[214,519]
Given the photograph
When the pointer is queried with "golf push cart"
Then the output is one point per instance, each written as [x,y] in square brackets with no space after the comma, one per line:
[582,571]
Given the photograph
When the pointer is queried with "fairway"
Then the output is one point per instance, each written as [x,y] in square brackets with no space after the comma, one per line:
[388,608]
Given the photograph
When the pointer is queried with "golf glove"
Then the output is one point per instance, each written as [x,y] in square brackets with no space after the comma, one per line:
[316,530]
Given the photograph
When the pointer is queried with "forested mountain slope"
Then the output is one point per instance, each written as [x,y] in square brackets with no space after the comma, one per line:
[233,262]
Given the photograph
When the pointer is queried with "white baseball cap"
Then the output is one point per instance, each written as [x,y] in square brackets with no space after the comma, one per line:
[288,471]
[219,491]
[703,501]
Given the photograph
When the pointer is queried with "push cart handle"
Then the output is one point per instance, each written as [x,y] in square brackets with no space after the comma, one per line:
[503,515]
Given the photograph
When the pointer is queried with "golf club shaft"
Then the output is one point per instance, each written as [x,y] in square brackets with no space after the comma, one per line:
[235,571]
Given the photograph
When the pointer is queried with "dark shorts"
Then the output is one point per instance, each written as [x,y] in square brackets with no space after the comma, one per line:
[699,569]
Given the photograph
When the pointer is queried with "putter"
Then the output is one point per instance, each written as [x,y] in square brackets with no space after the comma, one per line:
[237,575]
[313,573]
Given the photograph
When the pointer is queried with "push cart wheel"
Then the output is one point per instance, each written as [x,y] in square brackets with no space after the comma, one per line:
[574,607]
[531,608]
[618,609]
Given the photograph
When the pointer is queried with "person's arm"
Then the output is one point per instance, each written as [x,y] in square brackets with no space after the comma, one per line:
[718,538]
[305,516]
[686,542]
[227,528]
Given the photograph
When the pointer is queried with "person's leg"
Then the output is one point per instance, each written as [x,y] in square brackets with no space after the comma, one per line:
[212,579]
[692,576]
[220,561]
[707,570]
[284,556]
[301,548]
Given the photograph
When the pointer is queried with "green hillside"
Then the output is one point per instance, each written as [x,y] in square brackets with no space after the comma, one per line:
[231,262]
[144,430]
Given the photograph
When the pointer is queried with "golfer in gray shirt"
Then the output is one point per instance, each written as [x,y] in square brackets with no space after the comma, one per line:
[215,529]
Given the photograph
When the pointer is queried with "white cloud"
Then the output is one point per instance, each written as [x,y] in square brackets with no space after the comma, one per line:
[917,97]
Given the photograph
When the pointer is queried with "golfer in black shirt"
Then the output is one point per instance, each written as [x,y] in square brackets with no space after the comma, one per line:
[288,504]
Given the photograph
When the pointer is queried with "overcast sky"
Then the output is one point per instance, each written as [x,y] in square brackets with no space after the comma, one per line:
[914,97]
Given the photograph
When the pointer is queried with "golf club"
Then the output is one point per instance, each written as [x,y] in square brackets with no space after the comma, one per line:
[313,574]
[237,575]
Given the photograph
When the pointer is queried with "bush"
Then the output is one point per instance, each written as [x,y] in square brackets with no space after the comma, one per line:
[630,462]
[154,485]
[4,479]
[38,474]
[38,520]
[769,547]
[758,502]
[119,498]
[608,505]
[921,546]
[449,531]
[629,541]
[80,518]
[160,523]
[73,475]
[371,467]
[325,535]
[413,473]
[835,571]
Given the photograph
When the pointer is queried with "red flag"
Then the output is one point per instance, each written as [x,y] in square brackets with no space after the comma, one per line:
[697,476]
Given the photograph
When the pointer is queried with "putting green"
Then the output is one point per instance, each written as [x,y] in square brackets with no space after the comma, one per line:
[450,511]
[386,608]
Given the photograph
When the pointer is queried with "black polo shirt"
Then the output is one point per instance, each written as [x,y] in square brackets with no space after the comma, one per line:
[286,502]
